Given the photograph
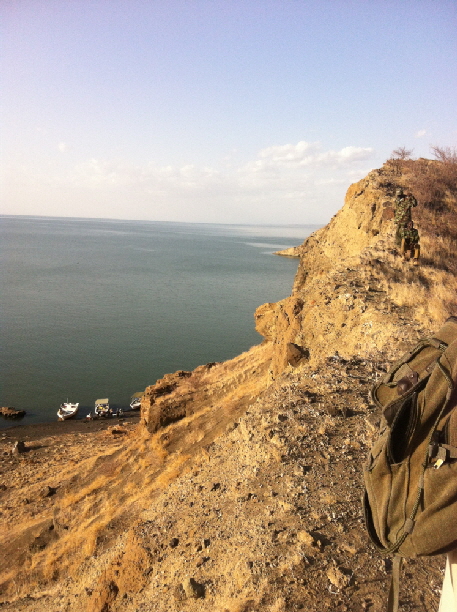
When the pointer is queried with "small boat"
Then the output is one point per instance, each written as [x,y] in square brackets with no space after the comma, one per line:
[102,408]
[135,400]
[67,411]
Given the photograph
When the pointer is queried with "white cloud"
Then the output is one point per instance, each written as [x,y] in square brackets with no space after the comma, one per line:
[421,133]
[291,183]
[275,164]
[289,153]
[62,146]
[305,154]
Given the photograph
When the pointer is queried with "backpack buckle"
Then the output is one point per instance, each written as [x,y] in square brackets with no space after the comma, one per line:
[407,382]
[441,457]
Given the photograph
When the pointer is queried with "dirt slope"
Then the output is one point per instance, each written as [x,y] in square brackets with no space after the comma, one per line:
[240,490]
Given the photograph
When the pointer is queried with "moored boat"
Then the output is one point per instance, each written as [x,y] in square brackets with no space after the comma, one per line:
[102,408]
[67,410]
[135,400]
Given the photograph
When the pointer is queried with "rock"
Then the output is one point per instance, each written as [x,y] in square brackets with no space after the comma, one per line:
[18,447]
[338,578]
[372,422]
[179,593]
[201,561]
[332,410]
[48,491]
[296,354]
[291,252]
[193,589]
[116,431]
[388,213]
[349,548]
[104,598]
[306,538]
[11,413]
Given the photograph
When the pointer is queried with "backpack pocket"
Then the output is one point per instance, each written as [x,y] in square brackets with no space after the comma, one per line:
[402,430]
[378,483]
[436,526]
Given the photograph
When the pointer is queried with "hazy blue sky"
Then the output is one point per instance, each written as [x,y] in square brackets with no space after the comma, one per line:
[231,111]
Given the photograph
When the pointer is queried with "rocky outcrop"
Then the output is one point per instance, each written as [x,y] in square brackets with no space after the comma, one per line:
[350,293]
[11,413]
[293,252]
[343,300]
[213,386]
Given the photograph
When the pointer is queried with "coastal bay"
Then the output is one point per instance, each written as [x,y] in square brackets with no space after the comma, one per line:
[103,308]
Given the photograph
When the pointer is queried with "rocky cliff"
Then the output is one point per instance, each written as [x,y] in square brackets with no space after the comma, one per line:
[240,489]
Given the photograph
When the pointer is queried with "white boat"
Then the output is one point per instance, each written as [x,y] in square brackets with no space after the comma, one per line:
[102,408]
[67,410]
[135,400]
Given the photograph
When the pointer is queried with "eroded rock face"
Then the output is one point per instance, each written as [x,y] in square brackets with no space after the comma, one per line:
[296,354]
[281,324]
[341,298]
[162,404]
[327,308]
[182,394]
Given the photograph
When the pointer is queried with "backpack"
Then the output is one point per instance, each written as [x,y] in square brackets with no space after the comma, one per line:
[410,501]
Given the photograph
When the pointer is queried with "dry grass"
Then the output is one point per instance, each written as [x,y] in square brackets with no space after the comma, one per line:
[431,289]
[434,184]
[74,497]
[431,295]
[94,509]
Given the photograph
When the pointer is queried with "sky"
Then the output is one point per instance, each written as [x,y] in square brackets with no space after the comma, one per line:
[216,111]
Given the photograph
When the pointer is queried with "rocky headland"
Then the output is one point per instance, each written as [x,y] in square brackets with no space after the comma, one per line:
[240,488]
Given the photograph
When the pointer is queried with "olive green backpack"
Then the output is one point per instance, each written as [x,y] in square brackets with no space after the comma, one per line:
[410,501]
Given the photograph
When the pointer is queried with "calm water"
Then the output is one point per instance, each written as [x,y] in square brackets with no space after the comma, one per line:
[98,308]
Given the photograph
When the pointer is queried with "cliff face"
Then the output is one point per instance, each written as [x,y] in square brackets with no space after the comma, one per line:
[240,489]
[353,292]
[327,311]
[336,282]
[352,295]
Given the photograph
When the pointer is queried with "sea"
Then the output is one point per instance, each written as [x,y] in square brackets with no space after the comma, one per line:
[95,308]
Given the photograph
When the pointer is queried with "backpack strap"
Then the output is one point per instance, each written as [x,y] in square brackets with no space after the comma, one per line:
[394,591]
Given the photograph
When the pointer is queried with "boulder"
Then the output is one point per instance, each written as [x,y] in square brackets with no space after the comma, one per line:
[18,447]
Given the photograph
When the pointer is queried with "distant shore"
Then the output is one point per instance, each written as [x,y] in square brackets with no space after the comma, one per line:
[36,431]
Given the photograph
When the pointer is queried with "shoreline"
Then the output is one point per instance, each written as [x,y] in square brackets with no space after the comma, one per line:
[37,431]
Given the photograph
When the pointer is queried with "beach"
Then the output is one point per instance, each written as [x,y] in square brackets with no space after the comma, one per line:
[37,431]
